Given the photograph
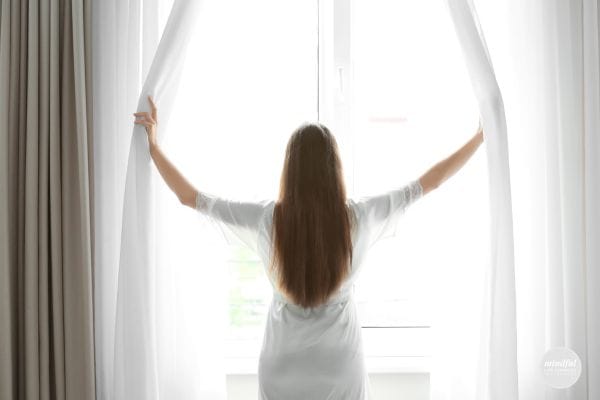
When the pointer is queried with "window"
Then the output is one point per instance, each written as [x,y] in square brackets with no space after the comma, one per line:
[411,105]
[387,77]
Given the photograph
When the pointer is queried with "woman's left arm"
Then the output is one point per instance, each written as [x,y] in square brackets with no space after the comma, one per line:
[184,190]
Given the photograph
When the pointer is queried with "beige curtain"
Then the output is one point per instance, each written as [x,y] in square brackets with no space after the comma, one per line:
[46,225]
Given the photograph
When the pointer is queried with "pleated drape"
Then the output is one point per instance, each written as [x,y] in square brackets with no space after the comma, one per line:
[46,207]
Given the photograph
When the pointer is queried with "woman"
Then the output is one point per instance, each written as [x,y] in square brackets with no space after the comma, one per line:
[313,241]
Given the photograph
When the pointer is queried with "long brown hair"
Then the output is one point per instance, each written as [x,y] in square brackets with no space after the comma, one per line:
[312,245]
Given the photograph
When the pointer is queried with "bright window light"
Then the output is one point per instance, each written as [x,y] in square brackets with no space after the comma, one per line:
[413,106]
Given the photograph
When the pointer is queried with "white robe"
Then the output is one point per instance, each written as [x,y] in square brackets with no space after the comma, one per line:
[314,353]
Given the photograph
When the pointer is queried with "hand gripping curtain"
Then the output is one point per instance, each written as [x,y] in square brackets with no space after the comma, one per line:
[136,365]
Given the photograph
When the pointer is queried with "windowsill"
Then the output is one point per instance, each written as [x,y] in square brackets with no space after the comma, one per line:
[375,365]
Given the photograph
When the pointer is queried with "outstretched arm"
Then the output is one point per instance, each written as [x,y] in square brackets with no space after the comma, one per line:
[184,190]
[443,170]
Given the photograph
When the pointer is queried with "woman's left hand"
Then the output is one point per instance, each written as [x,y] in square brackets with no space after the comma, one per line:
[149,120]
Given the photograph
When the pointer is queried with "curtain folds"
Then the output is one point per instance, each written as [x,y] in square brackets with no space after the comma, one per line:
[158,321]
[137,338]
[590,53]
[547,61]
[486,368]
[125,35]
[46,201]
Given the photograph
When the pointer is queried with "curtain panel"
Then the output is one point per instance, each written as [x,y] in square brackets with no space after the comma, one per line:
[546,54]
[46,200]
[124,39]
[159,324]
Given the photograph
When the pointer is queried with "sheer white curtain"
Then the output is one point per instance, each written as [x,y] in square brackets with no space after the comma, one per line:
[546,56]
[474,325]
[124,41]
[159,322]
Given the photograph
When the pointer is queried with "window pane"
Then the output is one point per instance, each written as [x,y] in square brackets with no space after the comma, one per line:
[413,107]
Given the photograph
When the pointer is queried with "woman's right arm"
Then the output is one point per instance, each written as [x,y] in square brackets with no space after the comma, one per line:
[444,169]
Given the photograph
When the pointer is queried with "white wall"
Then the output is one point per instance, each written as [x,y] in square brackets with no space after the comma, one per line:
[385,386]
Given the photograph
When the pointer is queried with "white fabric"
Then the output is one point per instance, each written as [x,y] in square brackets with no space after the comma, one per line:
[470,361]
[311,353]
[146,286]
[160,352]
[116,84]
[546,54]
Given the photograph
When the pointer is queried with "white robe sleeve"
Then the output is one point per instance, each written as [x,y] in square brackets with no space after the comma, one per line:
[379,214]
[239,221]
